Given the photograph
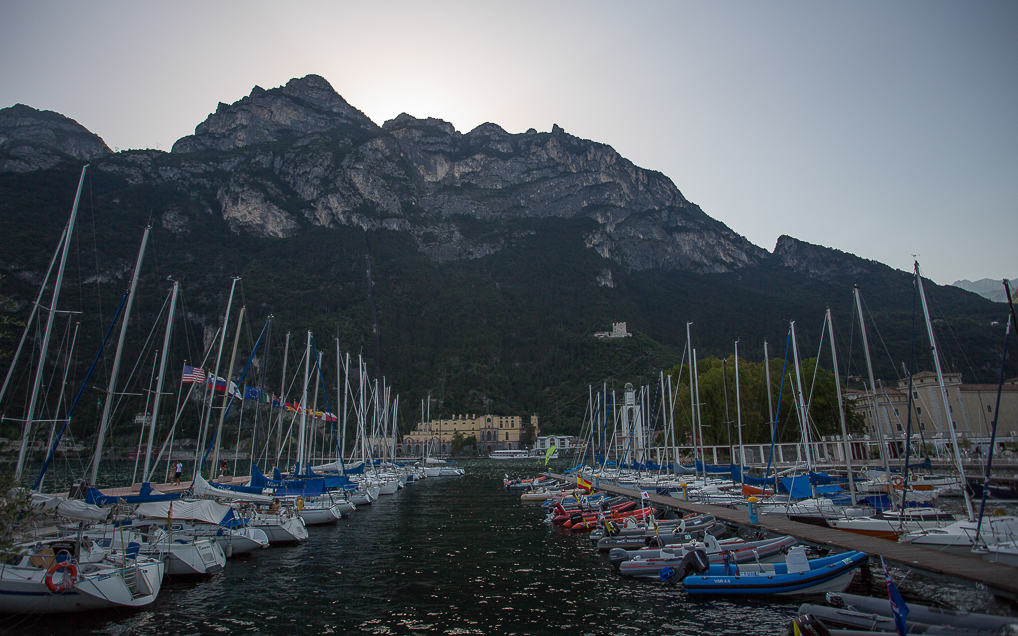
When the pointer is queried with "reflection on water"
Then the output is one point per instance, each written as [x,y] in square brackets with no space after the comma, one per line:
[454,556]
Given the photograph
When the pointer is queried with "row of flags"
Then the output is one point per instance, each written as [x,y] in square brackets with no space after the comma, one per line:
[197,374]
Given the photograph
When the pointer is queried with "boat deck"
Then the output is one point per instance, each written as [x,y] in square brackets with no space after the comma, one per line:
[168,488]
[1001,578]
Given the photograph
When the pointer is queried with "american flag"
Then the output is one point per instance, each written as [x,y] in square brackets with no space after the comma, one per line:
[192,374]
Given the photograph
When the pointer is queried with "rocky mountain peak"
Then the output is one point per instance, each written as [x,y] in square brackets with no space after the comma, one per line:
[404,120]
[824,263]
[33,139]
[303,106]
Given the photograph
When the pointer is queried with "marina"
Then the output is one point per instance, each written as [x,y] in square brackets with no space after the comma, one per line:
[465,318]
[460,556]
[999,578]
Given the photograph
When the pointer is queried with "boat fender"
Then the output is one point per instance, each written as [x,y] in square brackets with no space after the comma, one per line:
[300,503]
[809,625]
[67,581]
[667,575]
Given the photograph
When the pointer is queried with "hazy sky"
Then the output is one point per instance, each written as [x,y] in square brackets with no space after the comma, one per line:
[884,128]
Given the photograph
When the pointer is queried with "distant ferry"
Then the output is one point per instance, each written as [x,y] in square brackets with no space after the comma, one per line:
[521,453]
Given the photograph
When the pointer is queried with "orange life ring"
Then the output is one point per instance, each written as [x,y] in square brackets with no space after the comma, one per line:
[68,581]
[897,481]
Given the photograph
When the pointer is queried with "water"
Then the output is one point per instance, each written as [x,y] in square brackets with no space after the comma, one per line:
[455,556]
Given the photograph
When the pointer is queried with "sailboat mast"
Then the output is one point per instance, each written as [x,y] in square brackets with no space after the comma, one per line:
[282,398]
[226,393]
[873,384]
[346,393]
[803,429]
[699,419]
[841,408]
[304,405]
[215,378]
[738,419]
[767,382]
[104,421]
[943,396]
[63,385]
[692,399]
[48,331]
[32,314]
[159,381]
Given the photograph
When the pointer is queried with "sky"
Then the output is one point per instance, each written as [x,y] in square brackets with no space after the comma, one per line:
[888,129]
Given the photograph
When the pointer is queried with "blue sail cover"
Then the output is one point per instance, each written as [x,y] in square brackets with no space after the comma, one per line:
[339,481]
[799,487]
[301,488]
[258,479]
[96,497]
[251,490]
[711,468]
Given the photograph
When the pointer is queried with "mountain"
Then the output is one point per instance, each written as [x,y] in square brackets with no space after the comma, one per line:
[33,139]
[988,288]
[472,266]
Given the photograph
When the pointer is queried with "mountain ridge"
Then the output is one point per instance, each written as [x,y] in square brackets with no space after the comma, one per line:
[472,265]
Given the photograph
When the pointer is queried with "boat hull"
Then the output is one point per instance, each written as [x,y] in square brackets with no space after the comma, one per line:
[832,574]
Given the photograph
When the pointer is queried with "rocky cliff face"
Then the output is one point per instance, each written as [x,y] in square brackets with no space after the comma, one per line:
[299,154]
[33,139]
[820,262]
[301,107]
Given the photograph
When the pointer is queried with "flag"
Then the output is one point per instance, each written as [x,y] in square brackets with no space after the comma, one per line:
[331,418]
[234,390]
[898,607]
[548,453]
[583,483]
[265,398]
[644,495]
[252,393]
[219,382]
[276,403]
[192,374]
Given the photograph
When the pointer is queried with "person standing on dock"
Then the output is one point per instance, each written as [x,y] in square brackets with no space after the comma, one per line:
[178,471]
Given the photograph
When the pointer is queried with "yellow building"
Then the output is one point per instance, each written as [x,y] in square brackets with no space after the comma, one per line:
[492,432]
[971,407]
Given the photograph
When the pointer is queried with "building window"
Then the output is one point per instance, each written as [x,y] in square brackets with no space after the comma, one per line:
[915,395]
[918,410]
[989,408]
[507,437]
[896,410]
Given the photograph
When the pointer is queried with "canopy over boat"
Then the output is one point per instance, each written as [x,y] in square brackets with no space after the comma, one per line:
[203,510]
[70,508]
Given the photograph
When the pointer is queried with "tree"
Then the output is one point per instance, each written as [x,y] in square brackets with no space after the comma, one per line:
[16,514]
[818,388]
[528,436]
[457,443]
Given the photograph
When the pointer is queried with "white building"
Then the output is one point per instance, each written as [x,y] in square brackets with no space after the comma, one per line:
[618,331]
[562,442]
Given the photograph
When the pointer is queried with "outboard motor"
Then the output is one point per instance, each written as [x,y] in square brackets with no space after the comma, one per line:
[695,562]
[617,556]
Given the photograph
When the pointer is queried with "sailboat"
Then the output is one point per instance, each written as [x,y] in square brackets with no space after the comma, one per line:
[890,524]
[70,573]
[994,538]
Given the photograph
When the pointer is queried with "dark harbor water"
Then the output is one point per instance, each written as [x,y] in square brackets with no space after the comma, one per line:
[454,556]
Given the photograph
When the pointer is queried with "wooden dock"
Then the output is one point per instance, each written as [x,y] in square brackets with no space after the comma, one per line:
[1000,578]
